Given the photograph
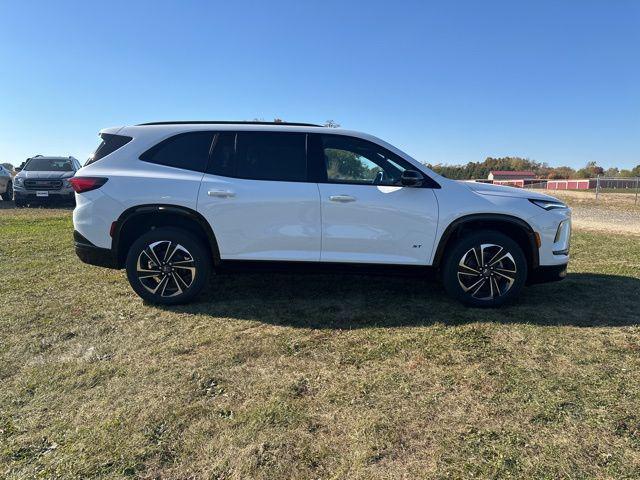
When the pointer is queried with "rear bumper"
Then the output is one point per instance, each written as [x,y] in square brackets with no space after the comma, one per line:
[548,273]
[89,253]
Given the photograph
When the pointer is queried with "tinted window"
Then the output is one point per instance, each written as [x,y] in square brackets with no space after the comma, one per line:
[110,143]
[271,156]
[352,160]
[39,164]
[189,151]
[222,158]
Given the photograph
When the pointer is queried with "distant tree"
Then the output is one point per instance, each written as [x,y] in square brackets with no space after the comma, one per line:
[561,173]
[612,172]
[590,170]
[636,171]
[625,172]
[331,124]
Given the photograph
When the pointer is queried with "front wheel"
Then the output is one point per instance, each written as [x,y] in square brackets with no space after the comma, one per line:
[168,266]
[8,194]
[484,269]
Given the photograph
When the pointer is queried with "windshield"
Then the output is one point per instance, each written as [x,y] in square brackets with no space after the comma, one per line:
[49,165]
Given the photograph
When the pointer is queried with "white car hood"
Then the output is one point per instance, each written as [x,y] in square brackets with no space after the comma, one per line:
[504,191]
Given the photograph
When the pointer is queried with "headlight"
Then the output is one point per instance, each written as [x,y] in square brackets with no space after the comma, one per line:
[19,181]
[548,204]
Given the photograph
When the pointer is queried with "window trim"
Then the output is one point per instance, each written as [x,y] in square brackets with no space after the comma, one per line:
[320,170]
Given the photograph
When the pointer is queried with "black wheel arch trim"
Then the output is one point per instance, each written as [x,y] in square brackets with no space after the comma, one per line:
[141,210]
[491,217]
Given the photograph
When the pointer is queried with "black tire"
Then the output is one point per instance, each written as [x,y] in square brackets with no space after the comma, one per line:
[19,203]
[176,282]
[484,269]
[7,196]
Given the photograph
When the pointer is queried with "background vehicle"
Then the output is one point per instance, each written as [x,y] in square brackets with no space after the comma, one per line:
[45,180]
[169,201]
[6,184]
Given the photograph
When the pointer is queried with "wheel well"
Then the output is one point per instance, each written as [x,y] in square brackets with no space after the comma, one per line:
[131,225]
[519,231]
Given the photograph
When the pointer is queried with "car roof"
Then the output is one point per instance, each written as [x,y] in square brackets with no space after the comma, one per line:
[229,122]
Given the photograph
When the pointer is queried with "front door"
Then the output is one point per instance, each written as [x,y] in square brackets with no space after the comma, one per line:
[367,216]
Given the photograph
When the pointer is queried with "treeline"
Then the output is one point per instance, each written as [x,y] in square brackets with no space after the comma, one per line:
[542,170]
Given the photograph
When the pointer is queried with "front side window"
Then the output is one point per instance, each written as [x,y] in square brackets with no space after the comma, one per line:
[271,156]
[38,164]
[188,151]
[355,161]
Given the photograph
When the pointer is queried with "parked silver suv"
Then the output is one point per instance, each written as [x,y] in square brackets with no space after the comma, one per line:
[45,179]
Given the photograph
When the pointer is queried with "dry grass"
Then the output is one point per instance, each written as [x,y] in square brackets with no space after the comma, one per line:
[313,376]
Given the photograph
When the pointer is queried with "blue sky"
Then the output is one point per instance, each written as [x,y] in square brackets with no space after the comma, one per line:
[448,82]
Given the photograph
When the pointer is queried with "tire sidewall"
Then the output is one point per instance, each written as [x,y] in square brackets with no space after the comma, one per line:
[201,257]
[450,268]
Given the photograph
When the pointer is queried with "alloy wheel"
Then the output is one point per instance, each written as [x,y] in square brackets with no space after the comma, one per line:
[487,271]
[165,268]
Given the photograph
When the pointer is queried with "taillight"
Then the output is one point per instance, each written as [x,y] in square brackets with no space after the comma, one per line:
[86,184]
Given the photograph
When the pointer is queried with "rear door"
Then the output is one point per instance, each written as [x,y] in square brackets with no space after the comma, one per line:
[257,197]
[367,215]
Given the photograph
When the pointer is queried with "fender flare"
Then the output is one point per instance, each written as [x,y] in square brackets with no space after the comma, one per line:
[141,210]
[490,217]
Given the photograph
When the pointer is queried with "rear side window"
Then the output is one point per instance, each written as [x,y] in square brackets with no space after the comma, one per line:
[110,143]
[189,151]
[223,156]
[271,156]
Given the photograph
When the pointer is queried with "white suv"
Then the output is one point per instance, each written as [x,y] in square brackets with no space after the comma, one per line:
[171,201]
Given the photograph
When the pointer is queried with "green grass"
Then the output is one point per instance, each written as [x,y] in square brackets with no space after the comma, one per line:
[313,376]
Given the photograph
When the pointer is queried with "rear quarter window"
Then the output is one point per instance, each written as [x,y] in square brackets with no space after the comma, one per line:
[110,143]
[188,151]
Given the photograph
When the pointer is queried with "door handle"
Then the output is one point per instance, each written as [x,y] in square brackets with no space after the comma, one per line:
[221,193]
[342,198]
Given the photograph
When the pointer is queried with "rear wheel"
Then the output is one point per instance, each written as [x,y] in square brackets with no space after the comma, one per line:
[168,266]
[485,269]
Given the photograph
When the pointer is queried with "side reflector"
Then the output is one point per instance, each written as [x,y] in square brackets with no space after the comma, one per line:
[538,240]
[86,184]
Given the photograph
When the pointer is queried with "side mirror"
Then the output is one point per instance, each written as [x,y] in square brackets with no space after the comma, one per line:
[18,169]
[411,178]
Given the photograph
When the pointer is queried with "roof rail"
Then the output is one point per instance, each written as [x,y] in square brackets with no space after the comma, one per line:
[230,122]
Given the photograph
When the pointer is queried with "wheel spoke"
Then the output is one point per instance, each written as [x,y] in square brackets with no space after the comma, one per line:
[481,282]
[178,279]
[491,262]
[495,280]
[472,271]
[160,283]
[498,272]
[179,247]
[152,275]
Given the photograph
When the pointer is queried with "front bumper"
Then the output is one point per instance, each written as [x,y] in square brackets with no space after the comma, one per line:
[65,194]
[92,255]
[547,273]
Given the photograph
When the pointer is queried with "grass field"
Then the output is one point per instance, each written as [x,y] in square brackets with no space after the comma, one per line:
[279,376]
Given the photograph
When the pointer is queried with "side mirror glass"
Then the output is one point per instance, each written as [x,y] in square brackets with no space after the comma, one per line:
[411,178]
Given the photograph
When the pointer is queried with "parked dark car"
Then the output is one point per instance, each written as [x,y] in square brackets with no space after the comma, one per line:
[45,180]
